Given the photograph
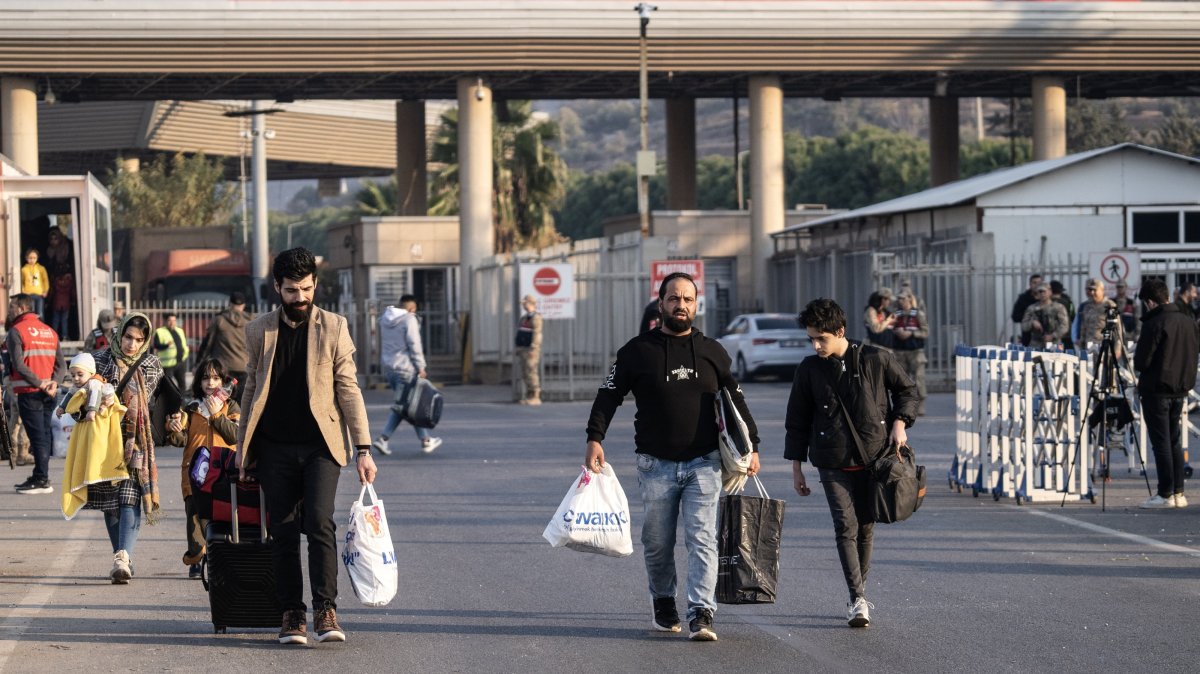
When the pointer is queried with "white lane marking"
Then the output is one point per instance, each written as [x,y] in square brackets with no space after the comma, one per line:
[66,561]
[1143,540]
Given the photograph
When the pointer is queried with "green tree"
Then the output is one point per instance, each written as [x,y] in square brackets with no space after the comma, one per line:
[1179,133]
[1094,124]
[378,198]
[528,177]
[862,167]
[990,154]
[180,191]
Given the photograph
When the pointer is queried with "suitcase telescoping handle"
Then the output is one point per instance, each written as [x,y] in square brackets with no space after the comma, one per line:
[262,513]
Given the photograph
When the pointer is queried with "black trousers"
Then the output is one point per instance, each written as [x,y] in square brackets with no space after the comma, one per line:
[1164,427]
[848,493]
[300,482]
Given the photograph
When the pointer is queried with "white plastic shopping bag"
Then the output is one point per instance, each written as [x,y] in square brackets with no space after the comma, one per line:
[368,555]
[593,516]
[60,434]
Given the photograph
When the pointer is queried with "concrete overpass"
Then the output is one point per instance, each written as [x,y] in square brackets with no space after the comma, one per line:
[477,51]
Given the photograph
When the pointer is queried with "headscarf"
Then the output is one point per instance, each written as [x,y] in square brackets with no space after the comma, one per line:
[115,347]
[139,443]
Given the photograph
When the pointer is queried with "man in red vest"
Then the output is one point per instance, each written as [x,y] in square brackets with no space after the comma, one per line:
[38,366]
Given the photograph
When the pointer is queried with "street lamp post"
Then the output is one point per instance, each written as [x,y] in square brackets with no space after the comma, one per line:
[645,158]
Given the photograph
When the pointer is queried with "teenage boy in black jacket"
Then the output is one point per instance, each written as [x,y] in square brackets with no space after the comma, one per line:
[1166,362]
[839,412]
[675,374]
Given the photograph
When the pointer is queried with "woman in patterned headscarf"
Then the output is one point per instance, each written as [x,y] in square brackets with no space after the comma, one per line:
[123,503]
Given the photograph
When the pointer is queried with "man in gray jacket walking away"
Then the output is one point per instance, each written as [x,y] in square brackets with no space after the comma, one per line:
[225,340]
[402,360]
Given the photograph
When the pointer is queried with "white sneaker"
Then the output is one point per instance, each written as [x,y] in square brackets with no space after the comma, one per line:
[1180,501]
[430,444]
[380,445]
[859,613]
[1157,501]
[120,573]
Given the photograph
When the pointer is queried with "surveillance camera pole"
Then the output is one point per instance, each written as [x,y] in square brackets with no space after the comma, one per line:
[645,159]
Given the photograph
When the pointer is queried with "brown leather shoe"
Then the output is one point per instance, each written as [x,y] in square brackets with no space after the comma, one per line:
[294,629]
[326,625]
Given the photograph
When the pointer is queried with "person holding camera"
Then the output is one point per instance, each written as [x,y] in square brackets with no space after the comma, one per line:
[909,332]
[1093,314]
[1046,321]
[1165,360]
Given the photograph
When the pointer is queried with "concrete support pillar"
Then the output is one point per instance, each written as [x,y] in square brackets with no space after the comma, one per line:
[766,175]
[131,164]
[410,158]
[476,234]
[1049,117]
[681,154]
[18,122]
[943,140]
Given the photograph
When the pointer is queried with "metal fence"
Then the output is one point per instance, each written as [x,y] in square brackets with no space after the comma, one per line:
[610,294]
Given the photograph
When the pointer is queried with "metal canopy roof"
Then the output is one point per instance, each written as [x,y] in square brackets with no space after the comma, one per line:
[556,49]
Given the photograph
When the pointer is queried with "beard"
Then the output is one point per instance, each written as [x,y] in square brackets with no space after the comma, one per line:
[677,322]
[298,312]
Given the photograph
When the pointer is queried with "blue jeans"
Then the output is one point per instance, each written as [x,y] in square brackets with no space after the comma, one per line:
[403,387]
[123,527]
[692,488]
[60,321]
[35,410]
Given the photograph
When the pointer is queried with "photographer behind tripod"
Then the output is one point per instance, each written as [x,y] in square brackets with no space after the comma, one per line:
[1166,362]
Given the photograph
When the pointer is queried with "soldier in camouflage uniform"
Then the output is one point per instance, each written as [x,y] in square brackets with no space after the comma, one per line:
[1046,321]
[1091,317]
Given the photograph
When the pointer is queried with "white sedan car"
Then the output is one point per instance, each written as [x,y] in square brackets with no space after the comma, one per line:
[765,343]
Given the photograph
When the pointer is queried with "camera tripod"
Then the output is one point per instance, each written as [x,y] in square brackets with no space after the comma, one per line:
[1107,410]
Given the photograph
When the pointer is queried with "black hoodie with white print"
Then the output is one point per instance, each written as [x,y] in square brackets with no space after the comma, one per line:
[674,381]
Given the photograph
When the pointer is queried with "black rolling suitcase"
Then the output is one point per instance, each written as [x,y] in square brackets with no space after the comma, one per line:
[238,572]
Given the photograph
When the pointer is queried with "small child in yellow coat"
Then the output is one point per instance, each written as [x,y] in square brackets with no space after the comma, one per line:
[95,452]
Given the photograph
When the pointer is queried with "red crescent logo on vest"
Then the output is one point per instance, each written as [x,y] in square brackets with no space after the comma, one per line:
[34,332]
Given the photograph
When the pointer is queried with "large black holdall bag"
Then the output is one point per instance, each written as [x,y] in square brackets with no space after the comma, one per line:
[424,405]
[239,574]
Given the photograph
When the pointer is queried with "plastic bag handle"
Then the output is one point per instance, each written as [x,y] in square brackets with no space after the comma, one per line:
[370,491]
[761,489]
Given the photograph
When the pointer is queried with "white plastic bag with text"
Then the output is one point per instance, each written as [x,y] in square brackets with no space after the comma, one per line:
[368,554]
[593,516]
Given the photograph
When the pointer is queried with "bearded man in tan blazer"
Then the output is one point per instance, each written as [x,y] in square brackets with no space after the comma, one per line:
[301,397]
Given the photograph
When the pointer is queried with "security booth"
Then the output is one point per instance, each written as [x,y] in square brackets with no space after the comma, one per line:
[67,220]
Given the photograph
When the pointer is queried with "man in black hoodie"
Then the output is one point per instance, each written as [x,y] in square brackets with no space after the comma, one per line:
[840,417]
[675,374]
[1166,363]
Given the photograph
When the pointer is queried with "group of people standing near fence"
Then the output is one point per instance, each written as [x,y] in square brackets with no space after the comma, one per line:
[1164,361]
[897,322]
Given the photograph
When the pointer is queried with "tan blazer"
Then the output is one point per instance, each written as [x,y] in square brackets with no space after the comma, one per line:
[337,402]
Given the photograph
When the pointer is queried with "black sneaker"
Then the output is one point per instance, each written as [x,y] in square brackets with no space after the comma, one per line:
[326,625]
[194,572]
[32,486]
[666,616]
[701,626]
[294,629]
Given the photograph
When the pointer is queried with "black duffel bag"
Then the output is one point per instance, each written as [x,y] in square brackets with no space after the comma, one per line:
[897,485]
[748,542]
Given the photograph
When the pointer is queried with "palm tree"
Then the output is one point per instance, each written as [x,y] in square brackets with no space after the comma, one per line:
[377,198]
[528,176]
